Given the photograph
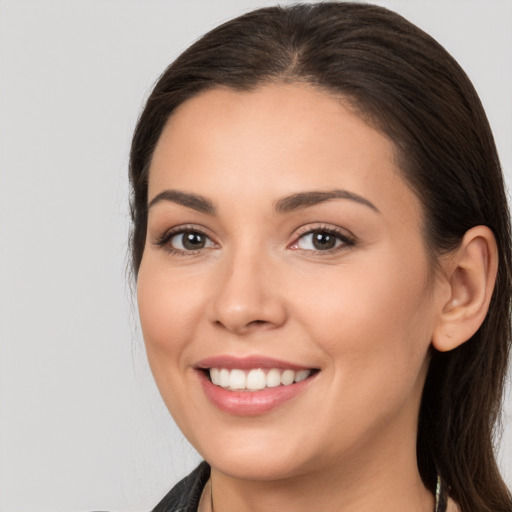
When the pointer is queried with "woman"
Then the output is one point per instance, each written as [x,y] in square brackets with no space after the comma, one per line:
[322,250]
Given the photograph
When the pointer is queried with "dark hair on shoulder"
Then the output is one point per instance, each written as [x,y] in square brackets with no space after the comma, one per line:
[405,84]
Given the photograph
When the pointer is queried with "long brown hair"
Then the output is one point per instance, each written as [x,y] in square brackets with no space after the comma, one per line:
[405,84]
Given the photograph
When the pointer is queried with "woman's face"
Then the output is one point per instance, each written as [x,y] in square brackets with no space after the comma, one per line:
[283,245]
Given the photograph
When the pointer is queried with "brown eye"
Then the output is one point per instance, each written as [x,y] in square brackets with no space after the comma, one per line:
[322,240]
[190,241]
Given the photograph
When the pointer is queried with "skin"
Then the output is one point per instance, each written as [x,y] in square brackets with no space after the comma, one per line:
[364,314]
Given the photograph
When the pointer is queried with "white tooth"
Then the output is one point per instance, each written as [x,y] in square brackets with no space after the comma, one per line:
[273,378]
[287,377]
[224,378]
[237,379]
[302,374]
[215,375]
[256,379]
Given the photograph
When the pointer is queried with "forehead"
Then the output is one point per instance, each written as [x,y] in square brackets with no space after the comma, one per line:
[275,140]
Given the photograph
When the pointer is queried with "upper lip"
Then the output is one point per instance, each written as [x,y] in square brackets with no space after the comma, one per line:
[247,363]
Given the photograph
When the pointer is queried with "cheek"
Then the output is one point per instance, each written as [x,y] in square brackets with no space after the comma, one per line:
[377,334]
[379,316]
[168,311]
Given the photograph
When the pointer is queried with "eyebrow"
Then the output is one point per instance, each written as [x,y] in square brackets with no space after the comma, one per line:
[306,199]
[285,205]
[193,201]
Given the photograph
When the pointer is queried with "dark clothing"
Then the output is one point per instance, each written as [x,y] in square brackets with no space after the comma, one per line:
[185,495]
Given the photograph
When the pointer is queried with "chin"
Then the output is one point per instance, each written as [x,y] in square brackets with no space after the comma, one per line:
[252,454]
[261,468]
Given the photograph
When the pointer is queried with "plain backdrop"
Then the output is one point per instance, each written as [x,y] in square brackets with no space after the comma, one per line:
[81,424]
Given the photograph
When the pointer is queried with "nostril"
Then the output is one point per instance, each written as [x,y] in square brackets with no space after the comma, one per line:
[244,327]
[256,323]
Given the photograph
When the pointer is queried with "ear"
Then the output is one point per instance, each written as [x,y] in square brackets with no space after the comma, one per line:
[471,273]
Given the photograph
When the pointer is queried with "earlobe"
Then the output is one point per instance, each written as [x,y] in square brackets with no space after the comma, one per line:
[471,274]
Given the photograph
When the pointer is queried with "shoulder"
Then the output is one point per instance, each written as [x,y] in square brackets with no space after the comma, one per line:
[185,495]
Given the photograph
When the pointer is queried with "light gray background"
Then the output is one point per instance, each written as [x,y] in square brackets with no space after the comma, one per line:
[81,424]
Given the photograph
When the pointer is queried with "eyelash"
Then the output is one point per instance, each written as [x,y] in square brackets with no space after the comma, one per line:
[165,239]
[341,236]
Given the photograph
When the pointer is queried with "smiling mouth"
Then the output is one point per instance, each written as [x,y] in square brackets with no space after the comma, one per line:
[256,379]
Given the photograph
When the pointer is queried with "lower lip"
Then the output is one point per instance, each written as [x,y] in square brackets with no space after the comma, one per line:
[251,403]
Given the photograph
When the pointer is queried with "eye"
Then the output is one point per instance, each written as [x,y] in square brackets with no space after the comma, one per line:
[185,241]
[322,239]
[189,241]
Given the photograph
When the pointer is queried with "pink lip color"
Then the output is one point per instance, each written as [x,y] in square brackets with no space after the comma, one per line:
[247,363]
[249,403]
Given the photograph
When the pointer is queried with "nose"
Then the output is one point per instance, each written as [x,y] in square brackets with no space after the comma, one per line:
[247,295]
